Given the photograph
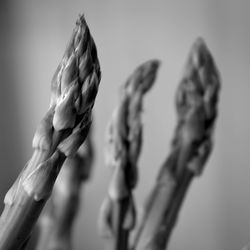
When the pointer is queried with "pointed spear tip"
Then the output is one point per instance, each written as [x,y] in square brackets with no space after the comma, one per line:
[143,77]
[200,55]
[81,21]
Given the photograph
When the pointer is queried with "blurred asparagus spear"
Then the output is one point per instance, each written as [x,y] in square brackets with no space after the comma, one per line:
[196,104]
[55,224]
[117,215]
[59,135]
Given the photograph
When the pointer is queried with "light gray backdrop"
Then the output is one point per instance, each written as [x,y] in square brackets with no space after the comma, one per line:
[216,213]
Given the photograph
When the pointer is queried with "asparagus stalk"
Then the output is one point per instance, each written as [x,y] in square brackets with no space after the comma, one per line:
[196,104]
[57,220]
[59,135]
[117,215]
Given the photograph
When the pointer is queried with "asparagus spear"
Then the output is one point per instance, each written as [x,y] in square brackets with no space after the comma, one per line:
[59,135]
[196,104]
[57,220]
[117,216]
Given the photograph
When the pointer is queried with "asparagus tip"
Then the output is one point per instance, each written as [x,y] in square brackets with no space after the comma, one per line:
[143,77]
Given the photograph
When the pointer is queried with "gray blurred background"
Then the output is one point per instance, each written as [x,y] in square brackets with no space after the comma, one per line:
[216,212]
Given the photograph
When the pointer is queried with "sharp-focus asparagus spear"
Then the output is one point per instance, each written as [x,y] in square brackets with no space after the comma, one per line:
[196,103]
[56,221]
[59,135]
[117,216]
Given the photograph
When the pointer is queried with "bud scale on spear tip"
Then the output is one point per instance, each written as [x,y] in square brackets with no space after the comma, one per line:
[196,104]
[60,133]
[117,215]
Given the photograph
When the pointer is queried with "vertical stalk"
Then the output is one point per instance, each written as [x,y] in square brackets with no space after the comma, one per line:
[117,216]
[196,104]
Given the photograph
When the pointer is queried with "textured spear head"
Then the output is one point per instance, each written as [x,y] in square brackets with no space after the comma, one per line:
[76,80]
[142,78]
[125,124]
[196,102]
[138,84]
[125,128]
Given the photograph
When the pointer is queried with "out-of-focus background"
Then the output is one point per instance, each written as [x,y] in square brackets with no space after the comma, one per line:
[33,36]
